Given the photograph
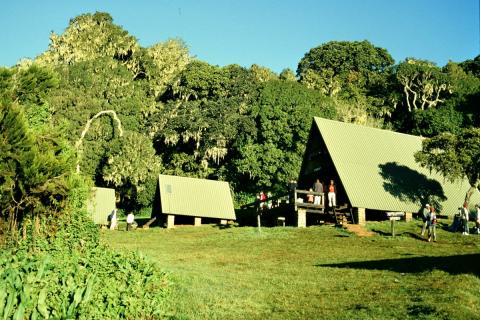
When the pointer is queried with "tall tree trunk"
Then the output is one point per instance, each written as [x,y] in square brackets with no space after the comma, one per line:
[470,191]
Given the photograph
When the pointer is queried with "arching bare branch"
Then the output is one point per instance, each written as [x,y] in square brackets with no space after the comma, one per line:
[112,113]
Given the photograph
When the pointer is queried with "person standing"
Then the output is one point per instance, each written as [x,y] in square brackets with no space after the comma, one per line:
[269,200]
[425,213]
[318,187]
[262,198]
[464,217]
[130,220]
[332,198]
[432,225]
[113,220]
[310,196]
[477,219]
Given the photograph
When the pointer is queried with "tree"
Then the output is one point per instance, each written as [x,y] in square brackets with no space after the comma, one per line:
[203,115]
[339,66]
[92,36]
[472,66]
[33,84]
[262,74]
[168,58]
[465,97]
[133,169]
[272,155]
[6,85]
[456,157]
[33,171]
[423,84]
[287,75]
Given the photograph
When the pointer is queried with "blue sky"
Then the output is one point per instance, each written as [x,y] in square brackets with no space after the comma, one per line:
[271,33]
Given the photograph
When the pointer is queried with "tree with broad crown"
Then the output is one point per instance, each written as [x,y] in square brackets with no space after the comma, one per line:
[337,65]
[454,156]
[272,155]
[92,36]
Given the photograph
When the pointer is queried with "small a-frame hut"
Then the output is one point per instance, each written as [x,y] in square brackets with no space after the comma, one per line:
[375,170]
[191,197]
[101,204]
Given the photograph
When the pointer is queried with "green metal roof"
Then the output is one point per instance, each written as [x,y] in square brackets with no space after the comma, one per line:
[378,171]
[101,204]
[195,197]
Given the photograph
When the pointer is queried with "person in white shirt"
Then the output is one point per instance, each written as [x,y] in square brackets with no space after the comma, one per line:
[113,220]
[130,220]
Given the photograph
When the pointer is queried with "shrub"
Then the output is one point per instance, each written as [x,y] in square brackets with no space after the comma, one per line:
[94,284]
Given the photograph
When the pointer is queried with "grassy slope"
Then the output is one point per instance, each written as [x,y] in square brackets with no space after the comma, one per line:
[313,273]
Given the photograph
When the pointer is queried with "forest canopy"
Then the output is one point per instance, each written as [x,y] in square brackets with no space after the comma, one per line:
[158,109]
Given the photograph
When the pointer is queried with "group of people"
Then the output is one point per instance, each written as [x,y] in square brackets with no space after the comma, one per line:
[429,218]
[460,221]
[114,220]
[265,200]
[319,192]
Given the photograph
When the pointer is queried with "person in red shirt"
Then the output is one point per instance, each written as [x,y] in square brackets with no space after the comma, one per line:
[262,197]
[332,200]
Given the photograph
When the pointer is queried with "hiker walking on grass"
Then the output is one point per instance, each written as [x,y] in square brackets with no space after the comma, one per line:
[425,213]
[432,225]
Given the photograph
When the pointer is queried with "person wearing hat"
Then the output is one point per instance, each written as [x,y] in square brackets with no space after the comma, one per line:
[425,215]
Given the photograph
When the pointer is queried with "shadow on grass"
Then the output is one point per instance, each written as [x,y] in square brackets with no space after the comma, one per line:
[410,185]
[399,234]
[457,264]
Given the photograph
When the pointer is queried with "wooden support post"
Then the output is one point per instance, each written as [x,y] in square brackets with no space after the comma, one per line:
[198,221]
[170,221]
[392,223]
[259,225]
[301,218]
[407,217]
[360,216]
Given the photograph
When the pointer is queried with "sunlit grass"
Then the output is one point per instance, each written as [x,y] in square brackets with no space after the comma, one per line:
[314,273]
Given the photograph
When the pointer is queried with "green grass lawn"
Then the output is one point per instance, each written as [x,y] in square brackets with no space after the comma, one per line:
[319,272]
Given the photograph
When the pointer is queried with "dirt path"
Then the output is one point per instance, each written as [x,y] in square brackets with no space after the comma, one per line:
[359,230]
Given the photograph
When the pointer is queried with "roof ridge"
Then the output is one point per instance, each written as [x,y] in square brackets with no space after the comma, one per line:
[367,127]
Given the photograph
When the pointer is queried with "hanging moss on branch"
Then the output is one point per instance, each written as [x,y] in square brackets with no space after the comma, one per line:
[87,127]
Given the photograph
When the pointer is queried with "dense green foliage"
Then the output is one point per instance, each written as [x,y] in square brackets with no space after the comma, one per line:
[454,156]
[171,113]
[33,170]
[244,125]
[73,276]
